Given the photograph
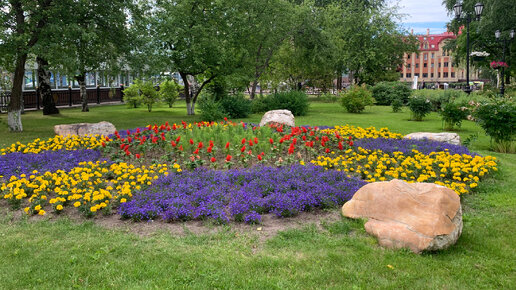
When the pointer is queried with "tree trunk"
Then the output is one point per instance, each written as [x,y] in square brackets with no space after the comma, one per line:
[15,105]
[44,90]
[81,79]
[339,80]
[253,89]
[186,87]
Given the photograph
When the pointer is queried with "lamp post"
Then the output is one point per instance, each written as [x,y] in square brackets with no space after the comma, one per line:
[466,16]
[504,42]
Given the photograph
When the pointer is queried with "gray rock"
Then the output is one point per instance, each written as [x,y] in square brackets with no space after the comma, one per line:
[284,117]
[452,138]
[83,129]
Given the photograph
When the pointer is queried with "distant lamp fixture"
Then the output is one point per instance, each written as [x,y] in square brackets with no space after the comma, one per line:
[458,9]
[497,34]
[478,9]
[512,34]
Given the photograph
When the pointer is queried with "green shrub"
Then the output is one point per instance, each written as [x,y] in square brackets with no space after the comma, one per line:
[420,107]
[453,113]
[211,110]
[498,119]
[397,105]
[438,98]
[294,101]
[132,96]
[386,92]
[169,91]
[236,106]
[148,93]
[356,99]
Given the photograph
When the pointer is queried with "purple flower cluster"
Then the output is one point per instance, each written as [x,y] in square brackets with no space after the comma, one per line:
[18,163]
[241,194]
[407,145]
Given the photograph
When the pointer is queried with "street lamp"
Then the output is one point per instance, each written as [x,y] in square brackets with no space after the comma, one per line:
[459,15]
[504,42]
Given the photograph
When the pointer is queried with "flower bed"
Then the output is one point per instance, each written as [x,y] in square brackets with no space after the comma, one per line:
[232,171]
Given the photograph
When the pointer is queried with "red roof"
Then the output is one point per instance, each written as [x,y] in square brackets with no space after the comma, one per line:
[433,39]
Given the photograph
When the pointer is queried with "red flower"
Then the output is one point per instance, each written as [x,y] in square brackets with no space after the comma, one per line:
[259,157]
[191,141]
[181,148]
[213,159]
[228,158]
[173,143]
[255,140]
[127,153]
[349,137]
[137,156]
[200,145]
[304,137]
[227,145]
[226,119]
[174,127]
[196,151]
[251,143]
[103,144]
[291,148]
[243,149]
[107,139]
[243,141]
[271,141]
[209,149]
[350,143]
[178,139]
[122,146]
[327,150]
[340,146]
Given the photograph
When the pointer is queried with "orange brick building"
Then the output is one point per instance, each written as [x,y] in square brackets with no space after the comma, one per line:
[432,64]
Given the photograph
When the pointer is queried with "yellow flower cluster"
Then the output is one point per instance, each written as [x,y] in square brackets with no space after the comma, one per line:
[56,143]
[90,187]
[358,132]
[458,172]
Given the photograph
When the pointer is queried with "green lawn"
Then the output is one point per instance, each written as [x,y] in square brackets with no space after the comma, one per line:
[60,253]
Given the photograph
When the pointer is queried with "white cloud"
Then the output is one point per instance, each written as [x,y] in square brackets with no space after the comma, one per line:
[423,11]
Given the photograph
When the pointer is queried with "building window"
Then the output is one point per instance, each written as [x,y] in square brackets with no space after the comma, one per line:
[452,74]
[439,64]
[409,75]
[408,56]
[438,74]
[416,74]
[445,74]
[433,54]
[417,65]
[431,75]
[433,45]
[445,64]
[417,56]
[425,75]
[432,65]
[444,53]
[408,65]
[425,65]
[425,56]
[401,75]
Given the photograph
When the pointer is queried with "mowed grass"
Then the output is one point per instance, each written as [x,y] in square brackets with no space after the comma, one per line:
[60,253]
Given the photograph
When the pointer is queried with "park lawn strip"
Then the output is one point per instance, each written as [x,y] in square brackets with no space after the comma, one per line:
[63,253]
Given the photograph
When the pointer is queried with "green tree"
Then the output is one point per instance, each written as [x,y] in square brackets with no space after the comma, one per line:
[169,91]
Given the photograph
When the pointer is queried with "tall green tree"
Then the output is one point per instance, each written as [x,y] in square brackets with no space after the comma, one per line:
[22,23]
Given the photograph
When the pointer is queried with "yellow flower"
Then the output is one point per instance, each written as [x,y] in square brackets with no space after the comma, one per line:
[42,212]
[38,207]
[77,204]
[93,208]
[59,207]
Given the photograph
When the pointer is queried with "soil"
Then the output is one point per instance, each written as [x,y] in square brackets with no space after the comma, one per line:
[270,226]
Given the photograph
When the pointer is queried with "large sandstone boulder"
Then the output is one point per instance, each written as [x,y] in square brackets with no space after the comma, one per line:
[452,138]
[284,117]
[418,216]
[83,129]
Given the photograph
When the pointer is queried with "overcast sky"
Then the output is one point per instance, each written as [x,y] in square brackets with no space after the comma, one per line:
[424,14]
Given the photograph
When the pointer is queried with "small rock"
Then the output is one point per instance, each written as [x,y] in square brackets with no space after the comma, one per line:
[418,216]
[83,129]
[284,117]
[452,138]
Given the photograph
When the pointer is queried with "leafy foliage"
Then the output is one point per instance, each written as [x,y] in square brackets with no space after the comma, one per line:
[386,92]
[211,110]
[498,119]
[294,101]
[453,114]
[169,91]
[236,106]
[132,96]
[420,106]
[356,99]
[141,92]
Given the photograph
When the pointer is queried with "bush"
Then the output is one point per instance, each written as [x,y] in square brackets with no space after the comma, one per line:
[210,109]
[169,91]
[356,99]
[498,119]
[236,106]
[397,104]
[386,92]
[452,114]
[420,107]
[294,101]
[132,96]
[148,93]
